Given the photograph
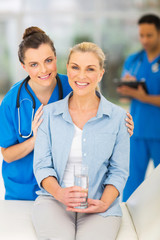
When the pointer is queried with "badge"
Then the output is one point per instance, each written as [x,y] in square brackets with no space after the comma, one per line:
[155,67]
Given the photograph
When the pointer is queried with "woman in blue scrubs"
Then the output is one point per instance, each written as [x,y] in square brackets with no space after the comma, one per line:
[37,55]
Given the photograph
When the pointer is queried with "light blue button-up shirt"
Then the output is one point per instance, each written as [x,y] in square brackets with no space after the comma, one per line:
[105,148]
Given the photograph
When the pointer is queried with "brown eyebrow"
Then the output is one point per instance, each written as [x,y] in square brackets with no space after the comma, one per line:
[32,62]
[44,59]
[50,57]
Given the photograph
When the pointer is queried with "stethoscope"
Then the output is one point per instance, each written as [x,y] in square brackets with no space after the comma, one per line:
[25,82]
[139,56]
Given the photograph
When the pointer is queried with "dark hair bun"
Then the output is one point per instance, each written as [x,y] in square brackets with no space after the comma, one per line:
[31,30]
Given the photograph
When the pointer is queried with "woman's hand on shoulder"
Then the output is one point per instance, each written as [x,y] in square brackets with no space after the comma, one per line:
[37,121]
[130,124]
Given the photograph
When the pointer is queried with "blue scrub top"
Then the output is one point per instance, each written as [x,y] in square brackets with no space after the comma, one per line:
[18,176]
[146,116]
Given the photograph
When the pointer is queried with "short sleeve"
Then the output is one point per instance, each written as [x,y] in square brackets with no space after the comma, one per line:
[126,67]
[129,65]
[7,130]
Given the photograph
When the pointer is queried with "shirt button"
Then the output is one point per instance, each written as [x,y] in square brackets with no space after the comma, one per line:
[84,139]
[84,154]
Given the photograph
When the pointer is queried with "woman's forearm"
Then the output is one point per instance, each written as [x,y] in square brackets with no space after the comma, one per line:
[109,195]
[51,185]
[152,99]
[18,151]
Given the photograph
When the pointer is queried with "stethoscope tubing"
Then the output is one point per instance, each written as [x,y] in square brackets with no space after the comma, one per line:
[140,56]
[25,81]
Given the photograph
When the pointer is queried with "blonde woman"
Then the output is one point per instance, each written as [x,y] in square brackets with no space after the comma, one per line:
[85,128]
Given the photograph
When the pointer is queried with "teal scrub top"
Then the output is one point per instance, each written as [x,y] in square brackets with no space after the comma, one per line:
[19,180]
[146,116]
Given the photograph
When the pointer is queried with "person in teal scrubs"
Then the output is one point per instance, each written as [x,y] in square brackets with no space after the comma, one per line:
[21,109]
[145,107]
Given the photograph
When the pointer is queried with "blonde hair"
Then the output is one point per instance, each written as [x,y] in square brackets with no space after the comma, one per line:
[89,47]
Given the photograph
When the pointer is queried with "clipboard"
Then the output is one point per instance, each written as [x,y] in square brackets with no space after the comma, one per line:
[132,84]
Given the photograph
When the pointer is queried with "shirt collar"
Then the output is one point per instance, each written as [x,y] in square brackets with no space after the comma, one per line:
[62,108]
[104,108]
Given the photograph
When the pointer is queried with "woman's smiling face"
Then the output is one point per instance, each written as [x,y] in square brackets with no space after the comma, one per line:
[84,72]
[40,63]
